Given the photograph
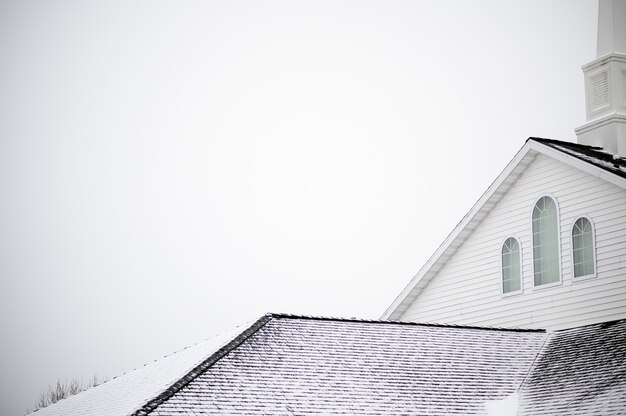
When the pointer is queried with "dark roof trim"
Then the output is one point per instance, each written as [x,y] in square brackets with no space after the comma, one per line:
[601,325]
[391,322]
[200,368]
[593,155]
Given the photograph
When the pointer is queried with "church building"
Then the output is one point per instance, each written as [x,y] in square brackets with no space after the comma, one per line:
[520,311]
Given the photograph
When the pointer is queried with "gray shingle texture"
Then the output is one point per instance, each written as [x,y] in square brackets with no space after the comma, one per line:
[581,371]
[286,365]
[309,366]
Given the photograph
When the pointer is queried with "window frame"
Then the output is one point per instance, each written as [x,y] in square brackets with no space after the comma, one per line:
[593,248]
[521,267]
[558,241]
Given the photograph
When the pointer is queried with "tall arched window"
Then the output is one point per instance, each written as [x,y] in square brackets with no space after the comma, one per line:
[583,248]
[511,266]
[545,242]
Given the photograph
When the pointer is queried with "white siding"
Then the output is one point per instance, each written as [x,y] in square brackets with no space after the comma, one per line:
[468,290]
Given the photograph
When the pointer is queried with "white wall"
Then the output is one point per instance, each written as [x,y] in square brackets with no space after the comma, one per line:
[467,290]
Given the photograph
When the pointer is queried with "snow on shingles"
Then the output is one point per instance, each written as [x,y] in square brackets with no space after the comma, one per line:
[594,155]
[581,371]
[127,393]
[306,366]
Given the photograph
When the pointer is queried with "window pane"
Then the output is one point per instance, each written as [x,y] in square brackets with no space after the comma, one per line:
[582,248]
[511,270]
[545,242]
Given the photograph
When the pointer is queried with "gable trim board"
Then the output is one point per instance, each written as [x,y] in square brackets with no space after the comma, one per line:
[591,160]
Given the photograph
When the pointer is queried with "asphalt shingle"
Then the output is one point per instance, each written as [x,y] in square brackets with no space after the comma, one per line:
[581,371]
[312,366]
[287,365]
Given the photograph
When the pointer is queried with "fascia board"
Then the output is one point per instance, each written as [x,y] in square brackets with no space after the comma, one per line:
[409,291]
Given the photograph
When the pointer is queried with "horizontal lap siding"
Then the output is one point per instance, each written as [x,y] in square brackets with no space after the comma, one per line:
[467,289]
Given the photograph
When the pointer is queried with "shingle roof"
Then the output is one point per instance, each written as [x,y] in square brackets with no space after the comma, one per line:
[581,371]
[129,392]
[295,365]
[591,154]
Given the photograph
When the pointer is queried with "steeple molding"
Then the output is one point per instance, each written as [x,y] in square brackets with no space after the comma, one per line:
[605,85]
[605,82]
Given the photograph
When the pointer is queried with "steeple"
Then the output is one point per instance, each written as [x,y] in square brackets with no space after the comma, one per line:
[605,82]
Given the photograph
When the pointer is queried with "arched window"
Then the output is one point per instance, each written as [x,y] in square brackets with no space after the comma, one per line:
[511,266]
[583,248]
[545,226]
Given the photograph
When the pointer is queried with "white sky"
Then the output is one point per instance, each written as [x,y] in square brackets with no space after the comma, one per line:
[170,169]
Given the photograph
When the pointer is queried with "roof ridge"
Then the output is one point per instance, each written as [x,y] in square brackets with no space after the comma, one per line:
[603,325]
[394,322]
[153,403]
[563,142]
[541,350]
[594,155]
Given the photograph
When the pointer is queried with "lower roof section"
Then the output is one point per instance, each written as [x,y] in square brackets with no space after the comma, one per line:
[297,365]
[580,372]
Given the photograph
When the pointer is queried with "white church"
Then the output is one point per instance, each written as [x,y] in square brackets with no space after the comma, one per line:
[520,311]
[545,246]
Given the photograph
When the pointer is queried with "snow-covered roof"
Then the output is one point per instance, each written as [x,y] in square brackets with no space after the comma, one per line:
[594,155]
[296,365]
[590,159]
[129,392]
[580,372]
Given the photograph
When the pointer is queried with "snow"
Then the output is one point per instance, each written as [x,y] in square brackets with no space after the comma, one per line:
[127,393]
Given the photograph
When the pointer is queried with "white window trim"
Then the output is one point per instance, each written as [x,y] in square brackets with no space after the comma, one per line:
[593,242]
[521,268]
[558,240]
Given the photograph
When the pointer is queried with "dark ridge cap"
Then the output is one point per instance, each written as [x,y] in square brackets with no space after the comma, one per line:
[152,404]
[602,325]
[390,322]
[564,143]
[594,155]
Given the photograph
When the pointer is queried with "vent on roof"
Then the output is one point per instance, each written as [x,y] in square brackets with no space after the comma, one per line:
[600,87]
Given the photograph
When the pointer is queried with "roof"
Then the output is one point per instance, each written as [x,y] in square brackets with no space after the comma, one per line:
[591,154]
[581,371]
[590,159]
[301,365]
[298,365]
[129,392]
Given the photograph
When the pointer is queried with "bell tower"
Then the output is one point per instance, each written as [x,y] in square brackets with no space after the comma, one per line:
[605,82]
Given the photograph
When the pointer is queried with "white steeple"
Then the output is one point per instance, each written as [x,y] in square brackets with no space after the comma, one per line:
[605,82]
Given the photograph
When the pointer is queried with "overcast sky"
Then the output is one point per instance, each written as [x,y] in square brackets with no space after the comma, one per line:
[169,169]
